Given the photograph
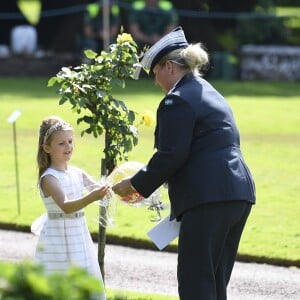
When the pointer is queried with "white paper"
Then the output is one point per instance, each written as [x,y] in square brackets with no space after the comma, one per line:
[164,232]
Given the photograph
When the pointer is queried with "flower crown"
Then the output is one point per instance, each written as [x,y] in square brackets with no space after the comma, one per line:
[58,126]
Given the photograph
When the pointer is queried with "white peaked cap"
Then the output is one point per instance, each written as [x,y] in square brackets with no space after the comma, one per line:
[173,40]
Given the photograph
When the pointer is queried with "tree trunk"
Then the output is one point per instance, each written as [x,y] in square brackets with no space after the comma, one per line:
[102,229]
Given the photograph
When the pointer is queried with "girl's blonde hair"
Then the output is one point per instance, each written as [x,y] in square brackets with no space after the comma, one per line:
[49,126]
[193,58]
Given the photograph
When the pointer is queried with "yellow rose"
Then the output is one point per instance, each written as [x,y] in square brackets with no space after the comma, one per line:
[148,118]
[124,37]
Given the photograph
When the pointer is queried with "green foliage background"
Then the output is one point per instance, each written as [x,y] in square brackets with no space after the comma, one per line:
[28,281]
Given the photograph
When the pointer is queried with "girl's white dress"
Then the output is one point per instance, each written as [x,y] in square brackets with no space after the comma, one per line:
[64,239]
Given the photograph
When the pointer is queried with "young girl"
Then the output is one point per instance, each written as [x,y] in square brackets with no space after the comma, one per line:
[64,239]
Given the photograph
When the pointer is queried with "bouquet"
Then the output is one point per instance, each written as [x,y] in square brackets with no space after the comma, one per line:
[128,169]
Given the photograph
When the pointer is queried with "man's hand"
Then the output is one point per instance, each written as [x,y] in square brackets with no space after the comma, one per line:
[124,187]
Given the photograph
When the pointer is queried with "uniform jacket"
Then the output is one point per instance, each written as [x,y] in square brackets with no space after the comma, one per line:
[198,150]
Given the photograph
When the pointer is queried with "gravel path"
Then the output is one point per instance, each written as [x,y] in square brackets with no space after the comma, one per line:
[155,271]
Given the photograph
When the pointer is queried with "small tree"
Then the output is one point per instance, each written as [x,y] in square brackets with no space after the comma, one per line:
[88,88]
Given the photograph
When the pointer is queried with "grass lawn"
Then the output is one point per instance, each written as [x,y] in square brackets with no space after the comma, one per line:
[268,116]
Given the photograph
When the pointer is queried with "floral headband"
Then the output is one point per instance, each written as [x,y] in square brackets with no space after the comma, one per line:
[58,126]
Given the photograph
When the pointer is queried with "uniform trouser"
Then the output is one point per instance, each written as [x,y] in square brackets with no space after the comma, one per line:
[207,247]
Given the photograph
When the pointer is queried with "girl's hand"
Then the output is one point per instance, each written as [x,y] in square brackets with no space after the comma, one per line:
[100,192]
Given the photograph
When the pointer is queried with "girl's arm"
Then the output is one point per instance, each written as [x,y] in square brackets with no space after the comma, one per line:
[51,187]
[88,182]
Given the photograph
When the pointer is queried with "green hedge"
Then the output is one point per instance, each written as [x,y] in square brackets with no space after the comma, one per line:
[28,281]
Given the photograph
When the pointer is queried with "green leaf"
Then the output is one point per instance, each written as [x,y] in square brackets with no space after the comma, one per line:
[90,54]
[131,116]
[62,101]
[118,82]
[52,81]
